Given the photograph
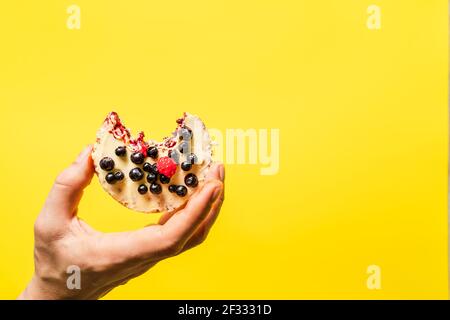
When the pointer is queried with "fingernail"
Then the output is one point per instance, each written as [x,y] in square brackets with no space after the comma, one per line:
[221,172]
[84,153]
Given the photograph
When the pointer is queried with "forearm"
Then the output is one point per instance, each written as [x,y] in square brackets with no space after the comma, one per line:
[37,289]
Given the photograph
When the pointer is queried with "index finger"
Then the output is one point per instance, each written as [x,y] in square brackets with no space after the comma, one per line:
[182,225]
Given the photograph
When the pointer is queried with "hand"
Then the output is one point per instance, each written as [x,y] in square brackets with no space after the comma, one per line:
[107,260]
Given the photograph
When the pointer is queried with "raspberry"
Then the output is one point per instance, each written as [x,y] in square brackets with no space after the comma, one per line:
[166,166]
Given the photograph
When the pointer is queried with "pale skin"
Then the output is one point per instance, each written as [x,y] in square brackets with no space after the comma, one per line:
[107,260]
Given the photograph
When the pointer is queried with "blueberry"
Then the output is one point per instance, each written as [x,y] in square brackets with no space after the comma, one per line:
[154,168]
[151,177]
[155,188]
[137,158]
[181,191]
[152,152]
[121,151]
[136,174]
[142,189]
[186,166]
[107,164]
[191,180]
[147,167]
[164,179]
[172,188]
[192,158]
[110,178]
[119,175]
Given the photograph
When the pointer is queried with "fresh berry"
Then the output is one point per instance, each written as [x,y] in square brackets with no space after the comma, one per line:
[191,180]
[110,178]
[147,167]
[192,158]
[166,166]
[154,169]
[142,189]
[151,177]
[155,188]
[107,164]
[164,179]
[186,166]
[152,152]
[137,158]
[172,188]
[119,175]
[136,174]
[121,151]
[181,191]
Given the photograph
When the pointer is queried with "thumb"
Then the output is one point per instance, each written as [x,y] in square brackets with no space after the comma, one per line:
[63,199]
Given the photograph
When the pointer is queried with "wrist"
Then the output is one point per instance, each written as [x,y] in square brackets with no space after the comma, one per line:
[38,289]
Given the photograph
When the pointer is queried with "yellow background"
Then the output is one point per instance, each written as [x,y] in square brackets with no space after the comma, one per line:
[363,132]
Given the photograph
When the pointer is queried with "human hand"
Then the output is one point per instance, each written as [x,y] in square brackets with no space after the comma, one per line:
[107,260]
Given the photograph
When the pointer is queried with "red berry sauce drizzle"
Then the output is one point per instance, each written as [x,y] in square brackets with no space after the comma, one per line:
[170,143]
[180,121]
[139,145]
[117,128]
[120,132]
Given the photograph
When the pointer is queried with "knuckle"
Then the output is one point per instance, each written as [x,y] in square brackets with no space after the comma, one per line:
[65,178]
[220,186]
[69,178]
[47,230]
[39,227]
[62,176]
[217,184]
[202,237]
